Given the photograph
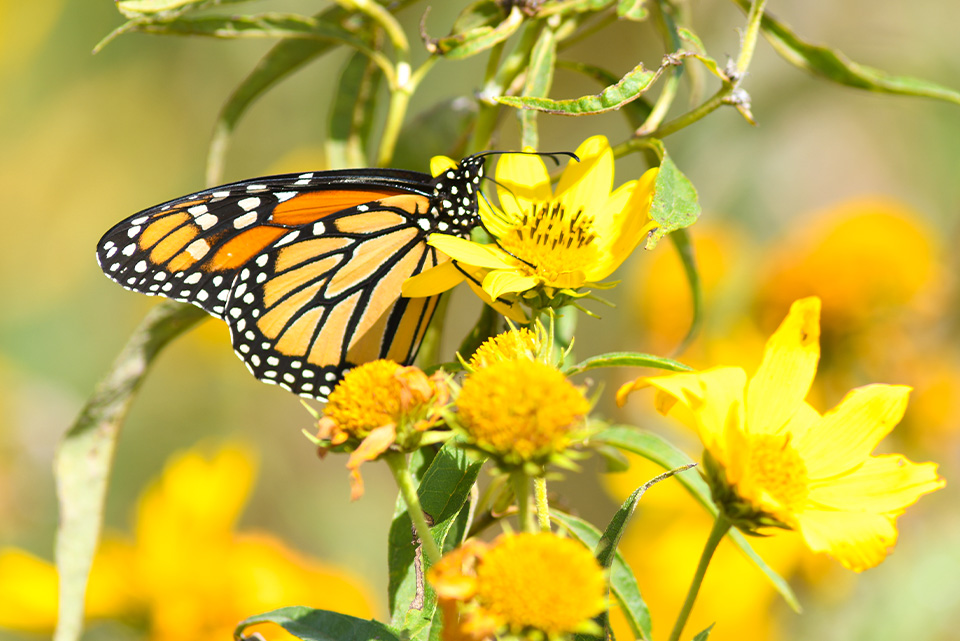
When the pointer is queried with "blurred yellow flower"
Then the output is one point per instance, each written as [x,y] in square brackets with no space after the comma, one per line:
[862,258]
[772,460]
[525,585]
[186,575]
[548,241]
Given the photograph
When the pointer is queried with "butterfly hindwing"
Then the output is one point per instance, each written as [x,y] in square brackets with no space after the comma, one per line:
[309,308]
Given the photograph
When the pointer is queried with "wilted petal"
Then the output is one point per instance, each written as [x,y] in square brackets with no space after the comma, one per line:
[375,444]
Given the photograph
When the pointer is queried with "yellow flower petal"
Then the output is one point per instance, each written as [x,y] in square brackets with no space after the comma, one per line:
[508,309]
[887,484]
[586,184]
[440,164]
[502,281]
[434,281]
[859,540]
[492,219]
[846,435]
[715,396]
[628,224]
[786,373]
[522,182]
[466,251]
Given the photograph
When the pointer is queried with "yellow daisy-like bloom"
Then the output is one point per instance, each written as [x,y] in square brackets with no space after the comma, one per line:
[520,411]
[186,573]
[378,405]
[508,346]
[544,240]
[526,585]
[772,459]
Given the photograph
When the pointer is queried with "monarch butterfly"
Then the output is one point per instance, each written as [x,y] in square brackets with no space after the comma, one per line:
[305,269]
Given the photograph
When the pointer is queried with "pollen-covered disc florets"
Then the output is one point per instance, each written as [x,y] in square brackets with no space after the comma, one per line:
[378,406]
[528,586]
[521,411]
[508,346]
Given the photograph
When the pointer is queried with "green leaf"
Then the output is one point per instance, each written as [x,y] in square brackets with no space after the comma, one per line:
[632,9]
[833,65]
[635,111]
[85,456]
[675,202]
[694,46]
[623,584]
[684,247]
[282,60]
[630,87]
[543,58]
[443,491]
[264,25]
[352,113]
[703,634]
[606,548]
[626,359]
[477,40]
[655,448]
[320,625]
[483,13]
[572,6]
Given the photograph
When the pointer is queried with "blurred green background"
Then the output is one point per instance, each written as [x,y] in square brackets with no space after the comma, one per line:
[87,140]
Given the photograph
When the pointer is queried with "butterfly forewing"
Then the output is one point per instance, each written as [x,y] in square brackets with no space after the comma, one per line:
[191,249]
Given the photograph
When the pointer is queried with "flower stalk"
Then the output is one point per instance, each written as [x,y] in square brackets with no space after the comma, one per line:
[400,468]
[720,528]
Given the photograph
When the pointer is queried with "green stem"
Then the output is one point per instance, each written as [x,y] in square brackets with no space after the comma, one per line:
[497,85]
[750,36]
[671,39]
[401,473]
[543,507]
[720,528]
[521,489]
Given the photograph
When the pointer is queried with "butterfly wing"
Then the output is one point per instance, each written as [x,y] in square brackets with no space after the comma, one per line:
[318,303]
[191,249]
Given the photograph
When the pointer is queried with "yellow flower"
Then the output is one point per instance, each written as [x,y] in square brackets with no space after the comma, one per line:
[772,459]
[525,585]
[186,575]
[548,241]
[520,411]
[376,406]
[508,346]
